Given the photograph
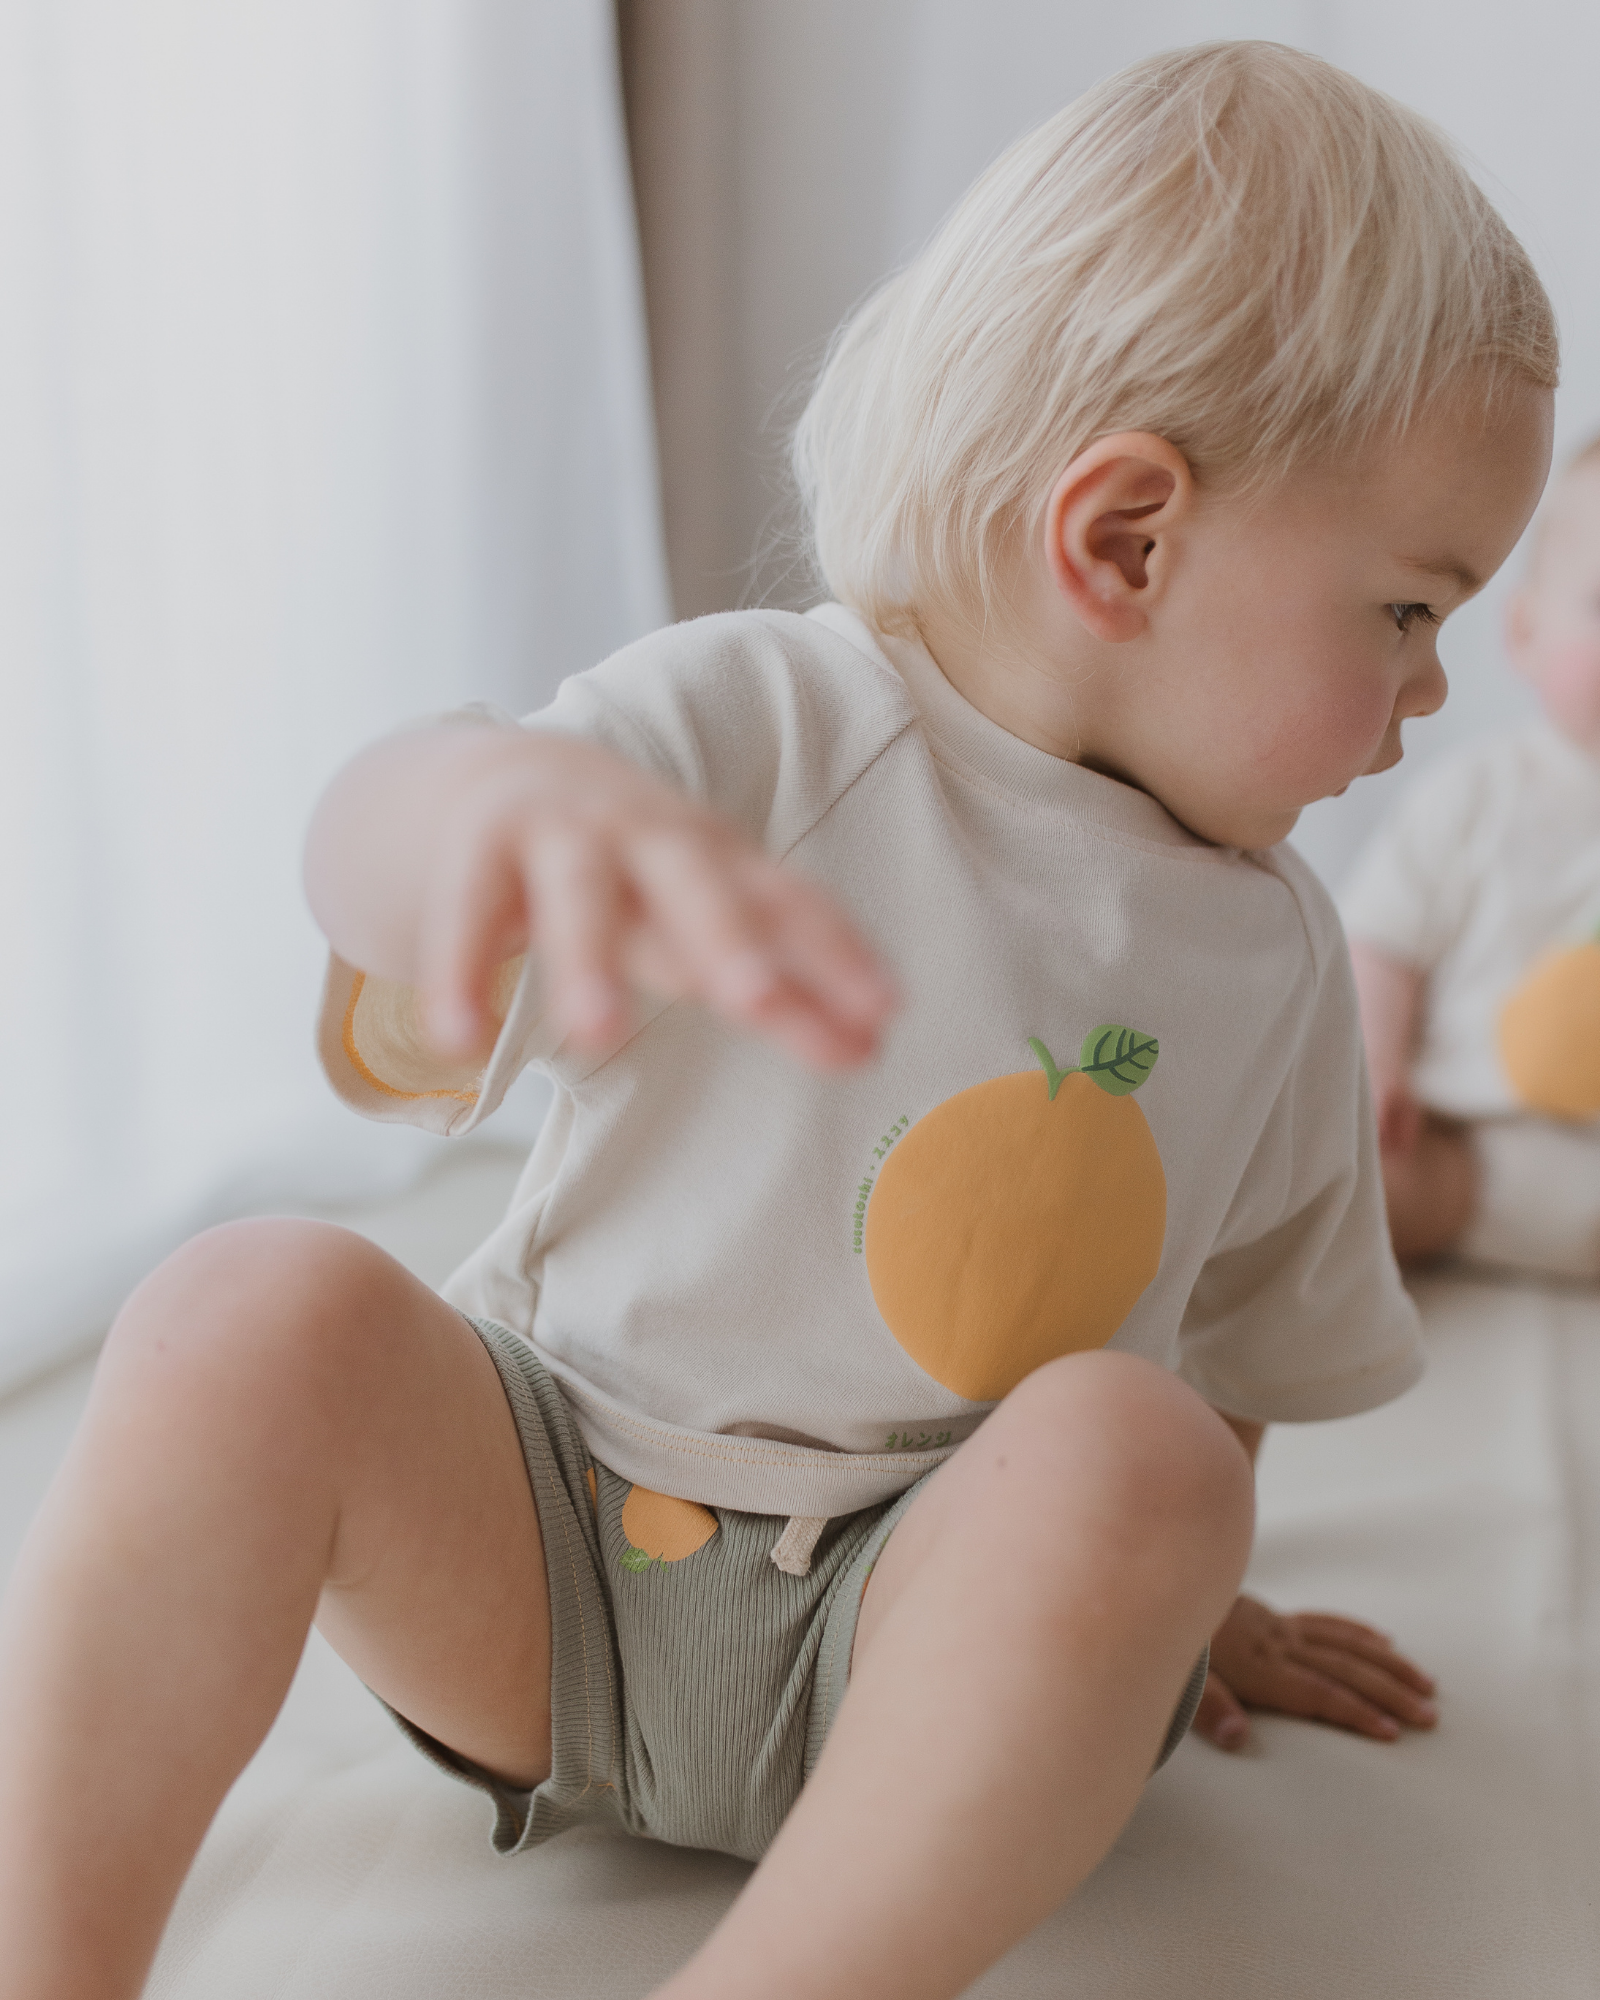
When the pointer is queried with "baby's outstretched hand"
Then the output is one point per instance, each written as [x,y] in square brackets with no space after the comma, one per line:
[613,877]
[1325,1668]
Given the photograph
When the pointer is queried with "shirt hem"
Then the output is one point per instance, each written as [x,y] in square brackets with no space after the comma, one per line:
[1317,1402]
[751,1474]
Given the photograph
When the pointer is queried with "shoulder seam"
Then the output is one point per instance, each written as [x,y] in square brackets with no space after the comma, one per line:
[847,787]
[1258,858]
[884,672]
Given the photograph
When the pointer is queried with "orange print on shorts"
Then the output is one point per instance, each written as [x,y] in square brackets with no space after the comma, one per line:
[661,1529]
[1021,1219]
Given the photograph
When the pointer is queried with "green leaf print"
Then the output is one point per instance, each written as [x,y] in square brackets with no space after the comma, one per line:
[1118,1059]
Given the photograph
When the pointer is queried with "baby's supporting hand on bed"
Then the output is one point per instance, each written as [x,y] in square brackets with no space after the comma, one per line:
[1310,1664]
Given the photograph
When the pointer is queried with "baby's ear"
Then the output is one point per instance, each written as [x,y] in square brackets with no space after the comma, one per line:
[1108,526]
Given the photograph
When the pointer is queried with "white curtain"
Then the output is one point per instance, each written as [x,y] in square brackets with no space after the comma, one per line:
[323,398]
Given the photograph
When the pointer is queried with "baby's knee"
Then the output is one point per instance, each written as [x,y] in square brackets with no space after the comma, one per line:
[1136,1444]
[273,1296]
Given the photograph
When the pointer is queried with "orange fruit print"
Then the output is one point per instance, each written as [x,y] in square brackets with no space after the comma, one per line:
[1550,1034]
[1020,1219]
[661,1529]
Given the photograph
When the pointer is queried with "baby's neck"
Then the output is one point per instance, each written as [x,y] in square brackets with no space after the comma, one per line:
[1030,681]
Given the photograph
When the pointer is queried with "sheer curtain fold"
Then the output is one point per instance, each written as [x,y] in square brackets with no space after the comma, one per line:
[324,384]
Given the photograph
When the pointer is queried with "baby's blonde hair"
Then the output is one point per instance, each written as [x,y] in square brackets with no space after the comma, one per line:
[1238,247]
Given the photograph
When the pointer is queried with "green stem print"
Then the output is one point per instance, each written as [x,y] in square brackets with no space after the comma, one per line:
[1117,1059]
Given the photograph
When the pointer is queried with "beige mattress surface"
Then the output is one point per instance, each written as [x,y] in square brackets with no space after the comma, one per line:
[1461,1519]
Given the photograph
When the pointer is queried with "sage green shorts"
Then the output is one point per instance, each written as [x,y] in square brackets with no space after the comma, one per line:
[692,1684]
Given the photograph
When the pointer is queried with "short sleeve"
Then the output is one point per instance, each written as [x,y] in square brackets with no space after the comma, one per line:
[1299,1312]
[764,716]
[379,1061]
[1411,890]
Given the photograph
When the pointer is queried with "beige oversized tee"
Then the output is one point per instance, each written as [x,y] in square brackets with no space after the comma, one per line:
[1124,1102]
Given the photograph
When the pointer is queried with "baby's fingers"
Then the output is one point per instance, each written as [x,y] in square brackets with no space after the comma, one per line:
[717,914]
[1376,1684]
[707,925]
[1329,1628]
[579,919]
[1325,1698]
[1220,1718]
[1346,1635]
[790,1017]
[474,919]
[822,951]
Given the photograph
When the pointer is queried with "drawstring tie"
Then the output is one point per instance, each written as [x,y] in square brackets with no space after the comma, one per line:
[793,1549]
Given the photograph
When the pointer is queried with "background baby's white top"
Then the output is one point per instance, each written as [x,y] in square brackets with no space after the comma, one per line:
[683,1249]
[1491,859]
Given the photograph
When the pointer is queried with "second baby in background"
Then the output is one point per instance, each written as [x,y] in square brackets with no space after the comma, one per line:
[1474,920]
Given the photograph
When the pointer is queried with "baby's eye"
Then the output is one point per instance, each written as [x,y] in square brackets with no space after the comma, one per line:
[1407,615]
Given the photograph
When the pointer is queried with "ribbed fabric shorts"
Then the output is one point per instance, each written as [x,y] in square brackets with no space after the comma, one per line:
[693,1680]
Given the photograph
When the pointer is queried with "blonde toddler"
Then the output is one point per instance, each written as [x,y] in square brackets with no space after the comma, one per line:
[840,1455]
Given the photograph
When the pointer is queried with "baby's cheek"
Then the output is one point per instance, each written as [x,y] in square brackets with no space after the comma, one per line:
[1570,685]
[1327,738]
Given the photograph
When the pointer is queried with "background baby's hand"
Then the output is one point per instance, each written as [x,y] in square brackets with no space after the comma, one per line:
[1311,1664]
[1399,1115]
[1391,994]
[612,876]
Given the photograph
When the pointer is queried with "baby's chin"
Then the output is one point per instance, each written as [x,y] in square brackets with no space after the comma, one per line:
[1272,828]
[1243,826]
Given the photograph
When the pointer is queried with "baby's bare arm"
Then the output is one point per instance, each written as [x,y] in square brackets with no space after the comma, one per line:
[1390,993]
[439,853]
[1430,1174]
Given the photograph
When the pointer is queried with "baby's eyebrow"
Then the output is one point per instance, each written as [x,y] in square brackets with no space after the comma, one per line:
[1454,572]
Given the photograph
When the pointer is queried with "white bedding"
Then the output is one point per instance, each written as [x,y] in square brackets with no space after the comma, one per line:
[1463,1519]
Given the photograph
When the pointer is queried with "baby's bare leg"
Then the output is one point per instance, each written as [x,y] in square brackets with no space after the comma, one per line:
[285,1423]
[1431,1188]
[1023,1641]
